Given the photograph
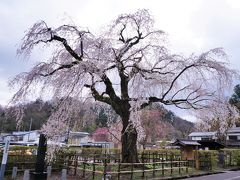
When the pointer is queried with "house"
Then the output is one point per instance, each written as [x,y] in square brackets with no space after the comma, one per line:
[21,137]
[187,147]
[100,139]
[26,136]
[233,137]
[203,136]
[207,140]
[76,138]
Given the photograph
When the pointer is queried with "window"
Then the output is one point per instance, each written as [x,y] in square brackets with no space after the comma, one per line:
[232,137]
[206,138]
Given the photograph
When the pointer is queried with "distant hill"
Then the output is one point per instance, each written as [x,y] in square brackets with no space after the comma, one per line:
[39,111]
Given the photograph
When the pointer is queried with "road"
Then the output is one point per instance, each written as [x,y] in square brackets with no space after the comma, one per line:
[228,175]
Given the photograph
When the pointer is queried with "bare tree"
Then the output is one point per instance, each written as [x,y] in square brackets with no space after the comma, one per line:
[128,67]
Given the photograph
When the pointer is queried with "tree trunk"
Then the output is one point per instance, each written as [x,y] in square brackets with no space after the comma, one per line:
[129,144]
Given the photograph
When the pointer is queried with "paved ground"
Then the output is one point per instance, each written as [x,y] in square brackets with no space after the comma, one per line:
[228,175]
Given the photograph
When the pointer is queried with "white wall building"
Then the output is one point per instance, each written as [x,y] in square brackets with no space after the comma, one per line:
[198,136]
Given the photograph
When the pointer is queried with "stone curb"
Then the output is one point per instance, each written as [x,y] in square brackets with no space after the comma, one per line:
[188,176]
[197,175]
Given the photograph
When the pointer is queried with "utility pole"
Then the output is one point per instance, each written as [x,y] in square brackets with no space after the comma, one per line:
[30,128]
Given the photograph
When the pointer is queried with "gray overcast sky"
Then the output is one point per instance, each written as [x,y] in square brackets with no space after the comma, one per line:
[192,25]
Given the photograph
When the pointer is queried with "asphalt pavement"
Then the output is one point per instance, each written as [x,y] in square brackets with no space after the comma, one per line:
[228,175]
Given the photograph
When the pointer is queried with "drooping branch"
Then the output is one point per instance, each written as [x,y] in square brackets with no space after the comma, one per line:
[64,66]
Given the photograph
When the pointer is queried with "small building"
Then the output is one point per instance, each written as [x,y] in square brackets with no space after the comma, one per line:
[233,137]
[26,136]
[208,140]
[75,138]
[198,136]
[187,147]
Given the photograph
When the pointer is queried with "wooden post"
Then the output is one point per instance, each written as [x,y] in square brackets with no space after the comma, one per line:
[210,160]
[75,164]
[149,156]
[119,169]
[179,166]
[14,173]
[196,158]
[162,167]
[230,159]
[186,165]
[143,173]
[154,164]
[132,171]
[93,172]
[171,164]
[105,169]
[84,166]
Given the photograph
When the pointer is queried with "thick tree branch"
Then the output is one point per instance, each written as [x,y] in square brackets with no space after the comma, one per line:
[176,78]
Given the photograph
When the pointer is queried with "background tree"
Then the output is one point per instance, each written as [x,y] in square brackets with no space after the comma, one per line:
[127,67]
[235,98]
[154,127]
[219,117]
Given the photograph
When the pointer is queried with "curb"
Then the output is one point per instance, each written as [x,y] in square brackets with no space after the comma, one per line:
[189,176]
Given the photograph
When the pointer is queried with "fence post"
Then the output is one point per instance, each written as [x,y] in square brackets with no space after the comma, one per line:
[75,164]
[93,172]
[49,171]
[26,175]
[64,174]
[143,173]
[179,166]
[211,168]
[186,165]
[84,166]
[171,163]
[230,159]
[14,173]
[162,167]
[105,169]
[119,168]
[154,164]
[149,156]
[132,171]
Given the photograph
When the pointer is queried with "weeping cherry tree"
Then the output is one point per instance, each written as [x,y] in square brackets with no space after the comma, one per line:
[127,67]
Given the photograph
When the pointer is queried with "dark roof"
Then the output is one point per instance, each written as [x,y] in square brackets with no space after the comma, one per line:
[212,144]
[234,130]
[185,142]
